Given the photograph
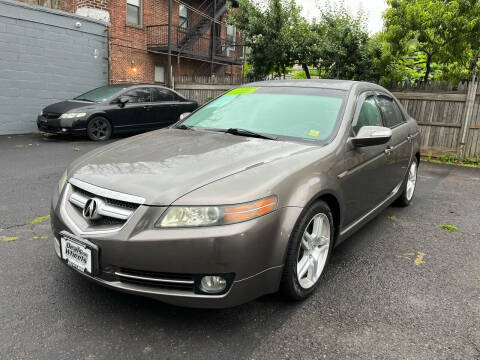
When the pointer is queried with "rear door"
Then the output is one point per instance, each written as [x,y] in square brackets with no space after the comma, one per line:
[164,107]
[363,181]
[399,146]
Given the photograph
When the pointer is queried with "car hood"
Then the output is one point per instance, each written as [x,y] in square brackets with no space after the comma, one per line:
[163,165]
[64,106]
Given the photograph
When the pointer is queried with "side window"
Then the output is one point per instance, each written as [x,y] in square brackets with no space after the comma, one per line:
[141,95]
[391,113]
[159,95]
[369,115]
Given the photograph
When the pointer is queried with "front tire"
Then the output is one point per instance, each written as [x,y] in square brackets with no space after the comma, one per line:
[410,184]
[99,129]
[308,253]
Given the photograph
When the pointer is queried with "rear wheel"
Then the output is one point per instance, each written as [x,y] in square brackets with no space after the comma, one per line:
[409,188]
[308,253]
[99,129]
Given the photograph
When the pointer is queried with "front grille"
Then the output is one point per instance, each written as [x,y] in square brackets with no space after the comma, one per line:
[51,115]
[113,202]
[159,280]
[111,213]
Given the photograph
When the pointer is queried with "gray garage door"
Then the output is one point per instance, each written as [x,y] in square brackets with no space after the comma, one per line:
[45,56]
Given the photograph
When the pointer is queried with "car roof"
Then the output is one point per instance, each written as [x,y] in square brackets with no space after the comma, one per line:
[129,85]
[345,85]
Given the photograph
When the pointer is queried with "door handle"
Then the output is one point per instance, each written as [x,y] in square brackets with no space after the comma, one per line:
[147,107]
[388,150]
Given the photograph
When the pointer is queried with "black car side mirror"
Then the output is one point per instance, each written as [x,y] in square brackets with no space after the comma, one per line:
[123,100]
[371,136]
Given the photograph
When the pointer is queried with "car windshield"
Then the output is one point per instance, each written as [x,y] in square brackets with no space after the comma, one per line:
[293,112]
[101,94]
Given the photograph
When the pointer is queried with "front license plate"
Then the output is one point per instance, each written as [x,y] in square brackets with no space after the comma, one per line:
[79,253]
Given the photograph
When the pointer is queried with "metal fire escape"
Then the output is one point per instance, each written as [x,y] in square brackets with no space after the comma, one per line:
[189,40]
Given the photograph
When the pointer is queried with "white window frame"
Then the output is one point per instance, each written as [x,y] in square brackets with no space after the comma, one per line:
[182,9]
[159,70]
[234,38]
[137,4]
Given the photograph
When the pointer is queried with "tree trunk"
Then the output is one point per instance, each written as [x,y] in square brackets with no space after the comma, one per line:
[307,72]
[428,69]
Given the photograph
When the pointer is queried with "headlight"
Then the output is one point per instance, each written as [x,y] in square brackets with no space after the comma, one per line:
[193,216]
[40,113]
[63,181]
[72,115]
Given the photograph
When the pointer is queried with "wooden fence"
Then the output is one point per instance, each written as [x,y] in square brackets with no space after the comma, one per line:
[450,120]
[446,114]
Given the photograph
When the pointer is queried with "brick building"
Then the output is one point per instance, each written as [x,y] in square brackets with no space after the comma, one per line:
[201,44]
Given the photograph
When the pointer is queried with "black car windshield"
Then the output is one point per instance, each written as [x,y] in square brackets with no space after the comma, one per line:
[296,112]
[101,94]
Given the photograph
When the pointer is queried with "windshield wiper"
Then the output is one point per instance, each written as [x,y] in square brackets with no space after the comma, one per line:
[244,132]
[84,99]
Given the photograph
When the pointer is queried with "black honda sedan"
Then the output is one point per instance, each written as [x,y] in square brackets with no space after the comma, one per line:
[115,109]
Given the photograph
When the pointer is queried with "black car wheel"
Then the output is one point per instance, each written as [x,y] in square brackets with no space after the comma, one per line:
[99,129]
[309,250]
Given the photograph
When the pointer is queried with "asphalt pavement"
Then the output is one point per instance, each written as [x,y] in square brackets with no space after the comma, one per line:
[401,288]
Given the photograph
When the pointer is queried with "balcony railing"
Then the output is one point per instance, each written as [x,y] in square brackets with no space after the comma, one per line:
[225,51]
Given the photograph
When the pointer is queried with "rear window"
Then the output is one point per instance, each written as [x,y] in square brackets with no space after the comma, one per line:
[304,113]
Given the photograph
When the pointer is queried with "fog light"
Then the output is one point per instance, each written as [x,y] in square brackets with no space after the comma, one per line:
[213,284]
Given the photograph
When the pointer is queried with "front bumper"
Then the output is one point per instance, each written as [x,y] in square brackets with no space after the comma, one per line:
[54,126]
[253,251]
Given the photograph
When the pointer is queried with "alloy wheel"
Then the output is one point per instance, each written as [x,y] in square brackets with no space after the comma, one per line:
[313,251]
[99,128]
[411,181]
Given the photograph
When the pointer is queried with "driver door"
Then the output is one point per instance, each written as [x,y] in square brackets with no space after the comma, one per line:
[363,181]
[133,114]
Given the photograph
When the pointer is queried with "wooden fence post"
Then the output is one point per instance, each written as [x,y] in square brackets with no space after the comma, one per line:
[471,94]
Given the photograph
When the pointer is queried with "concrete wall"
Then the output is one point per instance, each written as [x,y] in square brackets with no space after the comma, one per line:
[46,56]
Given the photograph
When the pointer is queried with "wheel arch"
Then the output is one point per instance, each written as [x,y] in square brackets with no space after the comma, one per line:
[331,199]
[99,114]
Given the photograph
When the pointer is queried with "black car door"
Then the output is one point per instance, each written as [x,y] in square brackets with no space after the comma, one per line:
[363,181]
[134,114]
[164,107]
[399,146]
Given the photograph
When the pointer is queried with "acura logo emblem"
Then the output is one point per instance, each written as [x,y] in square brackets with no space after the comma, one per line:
[90,209]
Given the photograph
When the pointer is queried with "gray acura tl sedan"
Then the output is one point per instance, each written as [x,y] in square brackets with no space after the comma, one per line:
[246,196]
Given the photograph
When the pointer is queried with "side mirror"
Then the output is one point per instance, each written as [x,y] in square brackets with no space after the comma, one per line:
[371,136]
[183,116]
[123,100]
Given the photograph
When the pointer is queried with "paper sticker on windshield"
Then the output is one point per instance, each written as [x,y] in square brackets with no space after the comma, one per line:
[242,91]
[313,133]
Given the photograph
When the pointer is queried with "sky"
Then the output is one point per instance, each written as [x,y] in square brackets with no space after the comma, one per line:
[372,8]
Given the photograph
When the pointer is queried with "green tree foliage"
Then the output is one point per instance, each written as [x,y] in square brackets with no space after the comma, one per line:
[345,50]
[267,33]
[278,37]
[431,36]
